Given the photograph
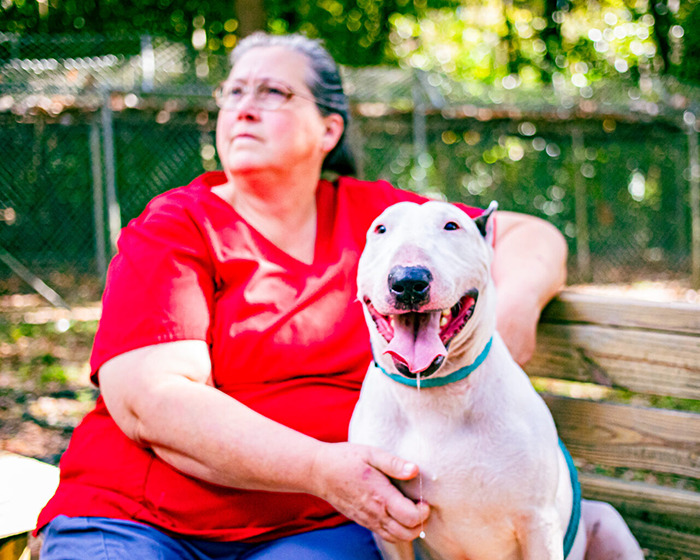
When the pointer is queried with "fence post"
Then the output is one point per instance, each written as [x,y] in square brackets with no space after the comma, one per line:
[583,250]
[148,64]
[420,135]
[114,220]
[694,179]
[14,50]
[98,199]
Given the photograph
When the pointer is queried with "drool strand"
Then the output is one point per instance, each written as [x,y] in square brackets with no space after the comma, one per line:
[420,475]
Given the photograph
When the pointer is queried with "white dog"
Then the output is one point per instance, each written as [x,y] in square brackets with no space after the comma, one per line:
[445,394]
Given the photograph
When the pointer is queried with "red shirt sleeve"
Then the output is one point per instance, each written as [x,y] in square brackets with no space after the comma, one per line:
[159,285]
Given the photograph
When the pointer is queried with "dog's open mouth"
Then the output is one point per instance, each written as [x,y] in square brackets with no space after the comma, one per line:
[418,342]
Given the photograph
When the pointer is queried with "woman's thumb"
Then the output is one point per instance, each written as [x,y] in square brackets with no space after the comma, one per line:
[391,465]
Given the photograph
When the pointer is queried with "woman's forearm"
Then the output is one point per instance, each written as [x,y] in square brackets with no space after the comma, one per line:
[215,438]
[529,268]
[159,398]
[530,254]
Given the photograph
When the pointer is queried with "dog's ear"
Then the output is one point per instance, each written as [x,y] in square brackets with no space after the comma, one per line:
[485,222]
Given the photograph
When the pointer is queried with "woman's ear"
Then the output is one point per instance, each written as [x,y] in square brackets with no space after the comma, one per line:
[334,130]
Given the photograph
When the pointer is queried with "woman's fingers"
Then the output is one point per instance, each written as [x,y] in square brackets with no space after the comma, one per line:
[408,514]
[391,465]
[355,481]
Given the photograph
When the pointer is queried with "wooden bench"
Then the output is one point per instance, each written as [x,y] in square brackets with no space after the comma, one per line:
[631,420]
[609,369]
[25,487]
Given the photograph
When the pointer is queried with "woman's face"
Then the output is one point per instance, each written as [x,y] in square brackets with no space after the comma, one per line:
[294,136]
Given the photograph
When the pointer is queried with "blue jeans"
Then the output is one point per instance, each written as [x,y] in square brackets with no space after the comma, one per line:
[99,538]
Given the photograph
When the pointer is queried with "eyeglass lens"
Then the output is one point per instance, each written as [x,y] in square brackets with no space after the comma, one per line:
[266,96]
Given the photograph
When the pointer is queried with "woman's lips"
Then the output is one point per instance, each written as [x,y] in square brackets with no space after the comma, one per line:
[245,136]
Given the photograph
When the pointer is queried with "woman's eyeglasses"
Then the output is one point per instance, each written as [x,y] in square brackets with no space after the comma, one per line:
[266,96]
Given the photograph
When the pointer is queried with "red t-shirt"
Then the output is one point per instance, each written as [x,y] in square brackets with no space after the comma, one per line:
[287,339]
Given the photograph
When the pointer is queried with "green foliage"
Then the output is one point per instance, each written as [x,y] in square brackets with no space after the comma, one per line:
[356,31]
[527,43]
[172,18]
[46,355]
[688,69]
[521,41]
[53,374]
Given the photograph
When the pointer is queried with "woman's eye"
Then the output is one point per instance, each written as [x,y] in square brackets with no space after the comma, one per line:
[380,229]
[451,226]
[235,92]
[271,91]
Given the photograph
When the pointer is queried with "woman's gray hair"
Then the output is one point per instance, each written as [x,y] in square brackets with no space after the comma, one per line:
[323,81]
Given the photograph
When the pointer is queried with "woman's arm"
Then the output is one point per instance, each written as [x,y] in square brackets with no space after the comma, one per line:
[161,397]
[529,268]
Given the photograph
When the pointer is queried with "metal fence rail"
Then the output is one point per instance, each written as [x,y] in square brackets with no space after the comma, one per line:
[92,130]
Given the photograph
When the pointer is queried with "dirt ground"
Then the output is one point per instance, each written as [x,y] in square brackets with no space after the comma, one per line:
[45,388]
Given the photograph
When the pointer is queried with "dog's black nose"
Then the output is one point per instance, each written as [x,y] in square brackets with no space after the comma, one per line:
[410,285]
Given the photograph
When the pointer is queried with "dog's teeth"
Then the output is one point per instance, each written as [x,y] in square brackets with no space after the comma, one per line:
[444,318]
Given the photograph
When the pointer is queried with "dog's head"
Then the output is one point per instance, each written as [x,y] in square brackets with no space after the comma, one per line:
[422,278]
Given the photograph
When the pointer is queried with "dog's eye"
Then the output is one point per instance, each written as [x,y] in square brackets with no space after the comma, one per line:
[451,226]
[380,229]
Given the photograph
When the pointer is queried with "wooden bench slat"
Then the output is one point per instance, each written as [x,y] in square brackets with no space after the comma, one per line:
[15,547]
[629,436]
[640,361]
[31,484]
[640,498]
[663,538]
[571,307]
[645,347]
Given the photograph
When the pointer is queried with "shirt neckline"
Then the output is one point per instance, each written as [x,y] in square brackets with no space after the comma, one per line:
[323,224]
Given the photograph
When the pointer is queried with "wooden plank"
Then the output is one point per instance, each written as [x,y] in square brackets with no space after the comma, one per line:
[680,507]
[663,539]
[15,547]
[629,436]
[641,361]
[570,307]
[31,484]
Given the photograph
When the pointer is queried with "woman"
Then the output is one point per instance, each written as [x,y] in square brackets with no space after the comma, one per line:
[231,349]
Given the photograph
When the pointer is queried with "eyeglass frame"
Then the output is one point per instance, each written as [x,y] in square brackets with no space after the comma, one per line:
[287,90]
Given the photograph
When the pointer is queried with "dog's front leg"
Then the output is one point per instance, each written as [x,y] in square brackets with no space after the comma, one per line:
[540,536]
[401,550]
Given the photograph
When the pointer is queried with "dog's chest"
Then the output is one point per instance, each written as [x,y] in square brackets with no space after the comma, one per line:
[473,494]
[471,460]
[457,461]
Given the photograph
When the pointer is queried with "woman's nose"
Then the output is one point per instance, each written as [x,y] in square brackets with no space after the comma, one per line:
[247,105]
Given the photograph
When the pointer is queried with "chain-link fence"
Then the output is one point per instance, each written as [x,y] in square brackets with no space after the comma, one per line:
[92,128]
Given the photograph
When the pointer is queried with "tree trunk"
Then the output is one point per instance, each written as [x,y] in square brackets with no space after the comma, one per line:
[551,35]
[662,25]
[251,16]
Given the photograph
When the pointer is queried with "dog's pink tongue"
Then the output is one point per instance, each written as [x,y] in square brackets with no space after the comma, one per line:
[416,341]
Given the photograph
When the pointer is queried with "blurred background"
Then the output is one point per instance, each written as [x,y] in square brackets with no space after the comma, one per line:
[586,113]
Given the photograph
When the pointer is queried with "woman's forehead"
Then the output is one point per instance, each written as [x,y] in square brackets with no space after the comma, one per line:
[270,63]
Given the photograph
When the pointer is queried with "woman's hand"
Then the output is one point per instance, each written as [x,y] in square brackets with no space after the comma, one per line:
[354,479]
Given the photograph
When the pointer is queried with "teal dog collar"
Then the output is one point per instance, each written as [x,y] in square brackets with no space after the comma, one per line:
[456,375]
